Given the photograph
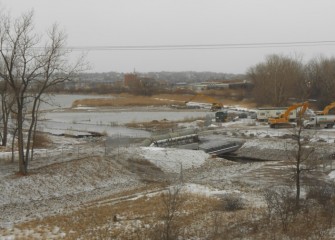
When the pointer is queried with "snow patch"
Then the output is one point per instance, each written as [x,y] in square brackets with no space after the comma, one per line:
[173,160]
[331,175]
[204,190]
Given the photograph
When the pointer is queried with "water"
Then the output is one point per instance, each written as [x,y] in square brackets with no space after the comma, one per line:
[59,119]
[58,128]
[120,117]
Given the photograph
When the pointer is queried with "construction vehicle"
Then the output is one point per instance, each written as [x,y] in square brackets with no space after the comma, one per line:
[327,108]
[221,116]
[263,114]
[283,119]
[320,121]
[200,100]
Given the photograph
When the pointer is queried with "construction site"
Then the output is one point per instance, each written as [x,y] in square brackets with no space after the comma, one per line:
[167,120]
[201,167]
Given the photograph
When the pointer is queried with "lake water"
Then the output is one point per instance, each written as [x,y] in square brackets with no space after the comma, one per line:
[59,119]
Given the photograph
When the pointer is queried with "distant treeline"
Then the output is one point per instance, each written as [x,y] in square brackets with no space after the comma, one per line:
[277,81]
[170,77]
[163,82]
[280,80]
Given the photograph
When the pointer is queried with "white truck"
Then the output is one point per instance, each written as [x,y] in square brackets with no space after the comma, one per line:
[320,121]
[263,114]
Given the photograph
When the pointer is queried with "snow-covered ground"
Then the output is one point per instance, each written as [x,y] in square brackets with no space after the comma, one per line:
[63,179]
[173,160]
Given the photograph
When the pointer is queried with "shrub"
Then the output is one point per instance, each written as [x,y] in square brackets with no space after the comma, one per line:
[322,194]
[232,203]
[281,206]
[41,140]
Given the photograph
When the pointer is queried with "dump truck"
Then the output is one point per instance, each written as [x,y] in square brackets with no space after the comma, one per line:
[320,121]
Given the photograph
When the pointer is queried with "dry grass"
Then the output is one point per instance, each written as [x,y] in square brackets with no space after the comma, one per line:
[153,125]
[163,124]
[199,217]
[128,100]
[121,220]
[131,100]
[41,140]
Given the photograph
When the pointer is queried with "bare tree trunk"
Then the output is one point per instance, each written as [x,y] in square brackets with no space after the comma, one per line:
[4,131]
[297,198]
[6,104]
[302,158]
[32,147]
[20,137]
[298,165]
[33,127]
[13,144]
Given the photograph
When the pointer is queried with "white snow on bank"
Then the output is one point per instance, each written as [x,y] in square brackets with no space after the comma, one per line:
[84,108]
[173,160]
[332,175]
[268,144]
[191,188]
[204,190]
[191,125]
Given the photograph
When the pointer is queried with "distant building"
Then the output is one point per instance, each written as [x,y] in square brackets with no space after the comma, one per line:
[131,80]
[217,85]
[181,85]
[140,85]
[245,84]
[199,87]
[220,85]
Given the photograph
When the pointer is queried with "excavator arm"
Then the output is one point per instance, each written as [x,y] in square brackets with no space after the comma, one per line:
[283,120]
[327,108]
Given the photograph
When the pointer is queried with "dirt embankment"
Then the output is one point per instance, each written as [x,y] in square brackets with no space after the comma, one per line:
[127,100]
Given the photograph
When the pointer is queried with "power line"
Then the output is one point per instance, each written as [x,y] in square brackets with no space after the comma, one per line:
[201,46]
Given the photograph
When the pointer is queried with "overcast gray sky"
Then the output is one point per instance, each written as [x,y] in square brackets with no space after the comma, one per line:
[110,23]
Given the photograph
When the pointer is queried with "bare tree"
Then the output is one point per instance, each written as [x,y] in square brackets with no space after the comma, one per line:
[280,207]
[172,202]
[261,91]
[277,79]
[320,75]
[7,102]
[31,68]
[301,158]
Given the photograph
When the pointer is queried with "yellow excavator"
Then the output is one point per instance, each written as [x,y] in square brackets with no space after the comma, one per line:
[283,120]
[201,98]
[327,108]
